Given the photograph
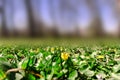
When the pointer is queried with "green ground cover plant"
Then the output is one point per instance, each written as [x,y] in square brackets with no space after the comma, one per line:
[53,61]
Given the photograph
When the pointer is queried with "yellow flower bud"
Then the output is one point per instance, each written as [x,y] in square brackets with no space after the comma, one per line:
[100,57]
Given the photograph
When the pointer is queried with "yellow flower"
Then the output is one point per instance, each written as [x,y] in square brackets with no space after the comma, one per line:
[34,51]
[100,57]
[64,55]
[52,50]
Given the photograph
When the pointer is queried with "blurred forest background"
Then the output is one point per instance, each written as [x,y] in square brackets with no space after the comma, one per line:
[79,18]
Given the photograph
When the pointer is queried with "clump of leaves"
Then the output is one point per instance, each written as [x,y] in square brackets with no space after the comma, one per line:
[58,63]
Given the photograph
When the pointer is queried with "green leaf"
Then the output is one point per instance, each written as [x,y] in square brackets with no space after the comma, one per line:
[32,61]
[2,75]
[101,74]
[24,64]
[89,73]
[116,68]
[43,74]
[18,76]
[31,77]
[10,56]
[49,77]
[5,65]
[73,75]
[2,59]
[115,76]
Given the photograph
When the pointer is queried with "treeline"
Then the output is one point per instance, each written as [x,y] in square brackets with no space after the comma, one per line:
[68,23]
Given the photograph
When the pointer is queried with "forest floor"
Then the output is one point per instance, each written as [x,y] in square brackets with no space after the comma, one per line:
[59,58]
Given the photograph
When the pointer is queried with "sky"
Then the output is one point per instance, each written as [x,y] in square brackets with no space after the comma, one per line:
[84,16]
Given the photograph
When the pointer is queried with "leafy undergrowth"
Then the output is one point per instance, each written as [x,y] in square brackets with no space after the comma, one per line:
[59,63]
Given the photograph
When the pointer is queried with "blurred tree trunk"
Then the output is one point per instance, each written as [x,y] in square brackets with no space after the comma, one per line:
[52,11]
[31,21]
[2,11]
[39,23]
[96,25]
[117,8]
[13,32]
[69,9]
[62,9]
